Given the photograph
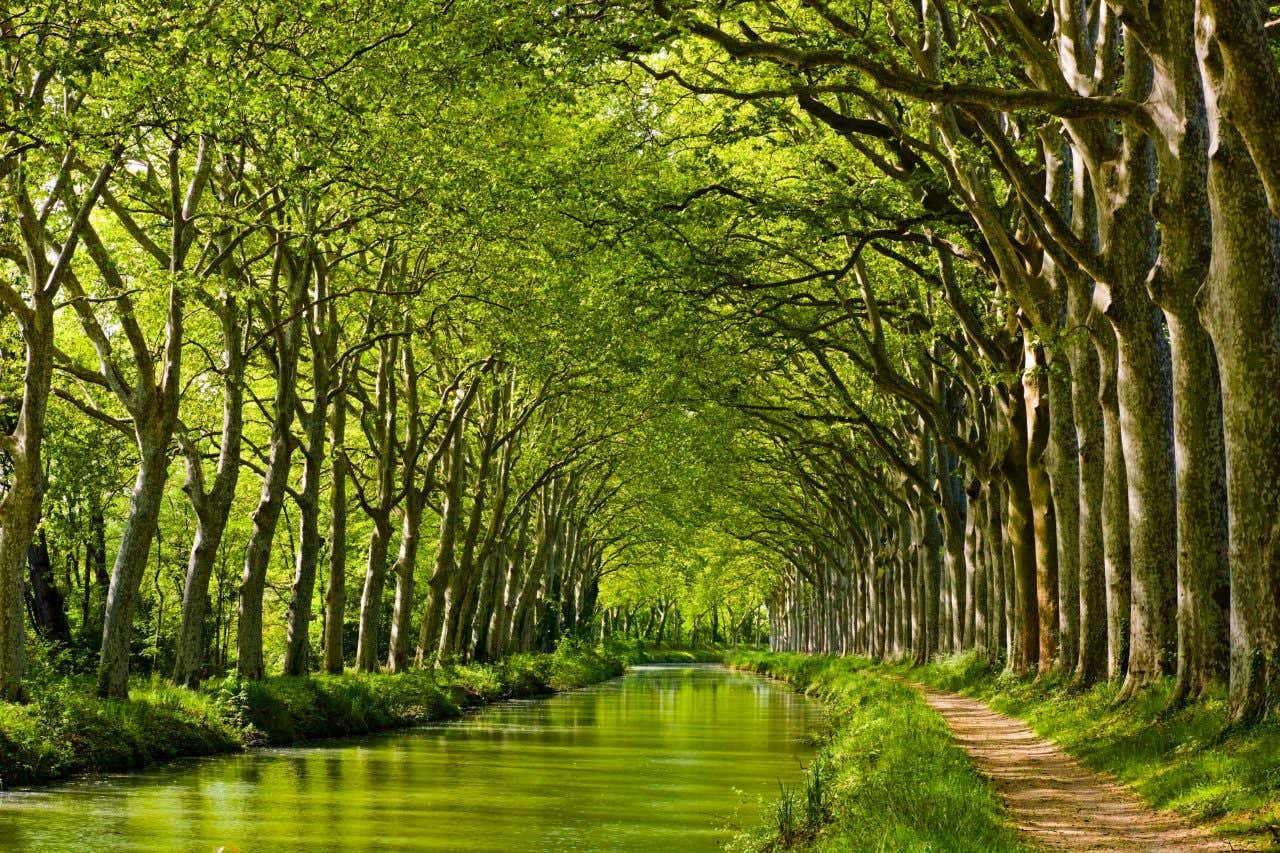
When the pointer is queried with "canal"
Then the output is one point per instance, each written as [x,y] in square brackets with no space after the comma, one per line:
[664,758]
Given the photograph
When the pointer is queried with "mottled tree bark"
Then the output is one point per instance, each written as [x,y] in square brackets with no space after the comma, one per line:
[1091,659]
[1020,535]
[1063,467]
[131,560]
[249,663]
[405,567]
[152,403]
[1115,505]
[1238,58]
[1181,208]
[1044,518]
[415,500]
[1240,304]
[45,271]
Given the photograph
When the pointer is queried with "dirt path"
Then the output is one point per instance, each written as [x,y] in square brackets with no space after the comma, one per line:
[1058,803]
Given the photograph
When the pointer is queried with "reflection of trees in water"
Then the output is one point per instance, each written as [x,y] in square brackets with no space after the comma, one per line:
[649,762]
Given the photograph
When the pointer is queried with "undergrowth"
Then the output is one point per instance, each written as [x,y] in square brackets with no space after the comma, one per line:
[66,729]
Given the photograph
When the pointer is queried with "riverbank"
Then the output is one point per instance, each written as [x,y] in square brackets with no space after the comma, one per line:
[65,729]
[662,759]
[888,776]
[1185,760]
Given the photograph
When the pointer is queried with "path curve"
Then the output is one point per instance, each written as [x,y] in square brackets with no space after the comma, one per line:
[1057,802]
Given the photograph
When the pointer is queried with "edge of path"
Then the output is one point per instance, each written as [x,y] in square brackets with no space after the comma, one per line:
[1057,802]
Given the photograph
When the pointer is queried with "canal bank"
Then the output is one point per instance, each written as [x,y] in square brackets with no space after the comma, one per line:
[65,730]
[889,775]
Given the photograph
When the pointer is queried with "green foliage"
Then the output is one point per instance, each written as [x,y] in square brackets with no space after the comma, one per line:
[784,816]
[286,710]
[816,805]
[576,664]
[66,730]
[797,818]
[637,651]
[889,777]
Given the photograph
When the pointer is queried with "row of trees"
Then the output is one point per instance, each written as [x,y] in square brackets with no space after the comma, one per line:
[1021,268]
[952,324]
[315,354]
[237,243]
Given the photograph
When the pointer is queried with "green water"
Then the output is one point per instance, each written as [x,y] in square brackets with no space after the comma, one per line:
[662,759]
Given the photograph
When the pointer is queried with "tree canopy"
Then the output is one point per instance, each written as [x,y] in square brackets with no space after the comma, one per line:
[377,334]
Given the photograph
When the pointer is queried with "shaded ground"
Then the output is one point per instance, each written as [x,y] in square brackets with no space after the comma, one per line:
[1056,802]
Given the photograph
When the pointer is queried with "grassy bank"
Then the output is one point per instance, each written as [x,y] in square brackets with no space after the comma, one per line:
[66,730]
[888,776]
[1185,760]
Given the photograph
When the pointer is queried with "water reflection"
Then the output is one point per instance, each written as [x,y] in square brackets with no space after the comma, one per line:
[656,760]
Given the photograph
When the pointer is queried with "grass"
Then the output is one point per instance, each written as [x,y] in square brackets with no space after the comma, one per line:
[1185,760]
[65,729]
[888,777]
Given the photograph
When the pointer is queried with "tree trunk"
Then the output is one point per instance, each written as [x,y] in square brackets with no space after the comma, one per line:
[287,338]
[446,559]
[994,540]
[1020,533]
[1115,505]
[1091,662]
[297,649]
[20,505]
[1203,591]
[1043,515]
[258,551]
[20,502]
[1063,467]
[371,596]
[975,586]
[48,608]
[1145,396]
[322,340]
[189,661]
[486,606]
[131,560]
[212,510]
[500,641]
[404,570]
[335,598]
[1241,310]
[383,440]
